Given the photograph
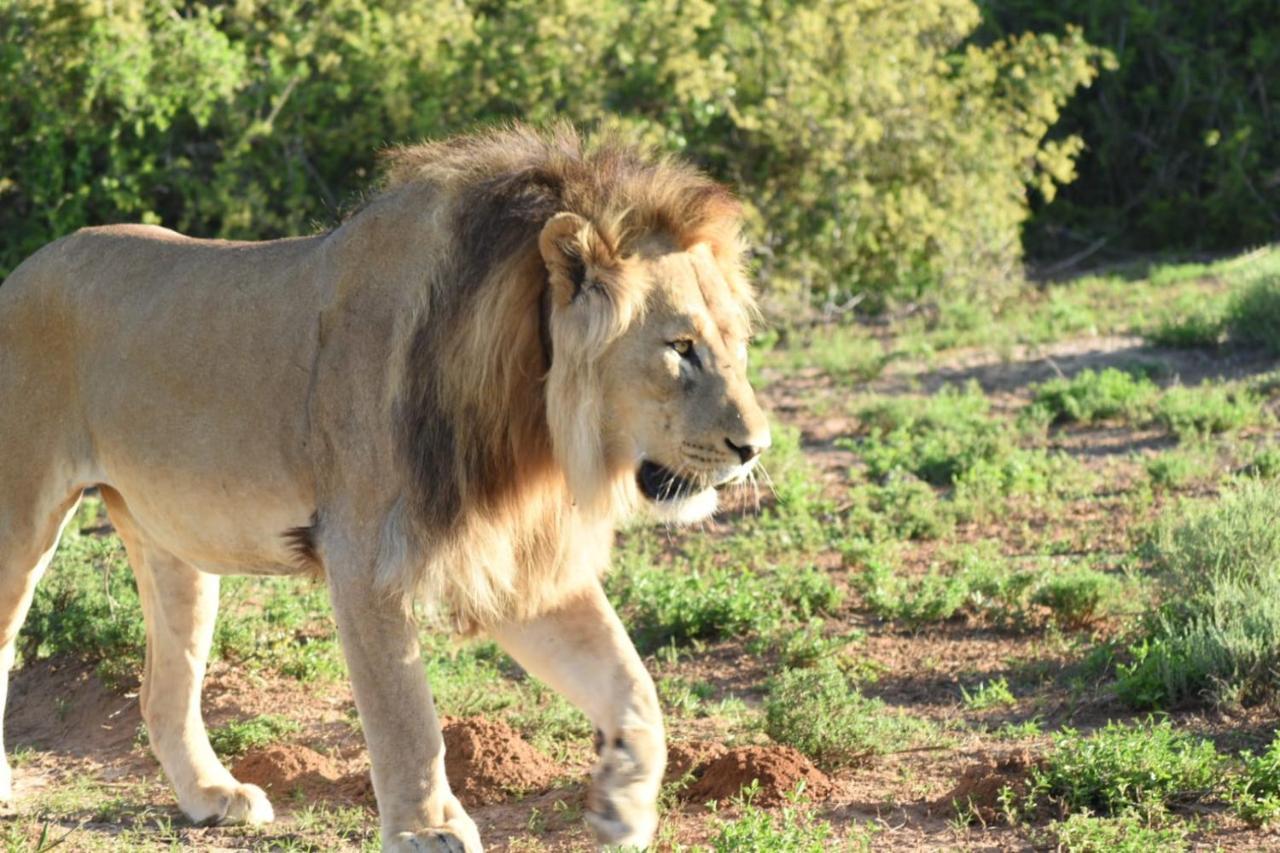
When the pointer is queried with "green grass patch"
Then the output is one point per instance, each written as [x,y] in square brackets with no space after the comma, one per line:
[1128,832]
[987,695]
[1201,329]
[901,507]
[1265,463]
[844,353]
[936,439]
[87,604]
[981,584]
[1186,466]
[237,738]
[790,829]
[663,605]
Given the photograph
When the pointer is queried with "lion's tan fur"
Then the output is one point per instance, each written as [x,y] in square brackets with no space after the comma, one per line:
[451,398]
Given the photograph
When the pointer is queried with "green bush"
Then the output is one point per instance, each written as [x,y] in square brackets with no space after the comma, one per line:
[1183,139]
[1216,635]
[878,152]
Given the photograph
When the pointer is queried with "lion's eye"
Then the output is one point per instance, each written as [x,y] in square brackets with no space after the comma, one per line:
[682,347]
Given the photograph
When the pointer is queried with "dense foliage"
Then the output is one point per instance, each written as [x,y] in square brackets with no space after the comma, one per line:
[1184,137]
[879,152]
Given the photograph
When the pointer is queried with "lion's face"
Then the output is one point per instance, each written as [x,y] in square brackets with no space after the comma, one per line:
[682,416]
[648,390]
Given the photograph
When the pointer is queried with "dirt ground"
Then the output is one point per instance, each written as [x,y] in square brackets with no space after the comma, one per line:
[73,727]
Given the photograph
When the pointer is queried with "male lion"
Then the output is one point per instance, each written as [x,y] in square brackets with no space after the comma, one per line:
[450,399]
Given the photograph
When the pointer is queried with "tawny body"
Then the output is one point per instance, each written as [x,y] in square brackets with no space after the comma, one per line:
[404,408]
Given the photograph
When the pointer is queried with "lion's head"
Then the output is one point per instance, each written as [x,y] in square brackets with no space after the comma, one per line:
[658,332]
[580,350]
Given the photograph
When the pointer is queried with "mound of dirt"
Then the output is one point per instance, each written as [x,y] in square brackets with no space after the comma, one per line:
[486,760]
[977,794]
[691,757]
[283,770]
[778,768]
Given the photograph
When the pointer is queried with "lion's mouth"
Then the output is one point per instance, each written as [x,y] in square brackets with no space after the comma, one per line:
[662,484]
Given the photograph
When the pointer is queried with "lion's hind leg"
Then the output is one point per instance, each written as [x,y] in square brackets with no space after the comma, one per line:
[28,540]
[179,605]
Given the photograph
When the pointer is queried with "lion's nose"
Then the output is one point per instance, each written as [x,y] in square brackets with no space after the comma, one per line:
[746,452]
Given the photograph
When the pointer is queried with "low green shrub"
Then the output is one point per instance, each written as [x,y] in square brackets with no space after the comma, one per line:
[902,507]
[1216,635]
[1265,463]
[915,602]
[1090,397]
[981,584]
[1147,766]
[1206,410]
[1254,316]
[987,695]
[1180,468]
[1255,790]
[936,439]
[1199,330]
[820,712]
[1079,596]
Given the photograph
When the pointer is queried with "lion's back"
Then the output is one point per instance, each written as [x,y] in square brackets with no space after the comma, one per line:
[183,365]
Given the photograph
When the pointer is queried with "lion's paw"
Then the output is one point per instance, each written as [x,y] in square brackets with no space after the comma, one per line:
[238,804]
[622,803]
[614,829]
[454,838]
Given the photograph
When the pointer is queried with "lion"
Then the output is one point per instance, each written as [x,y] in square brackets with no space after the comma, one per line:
[445,404]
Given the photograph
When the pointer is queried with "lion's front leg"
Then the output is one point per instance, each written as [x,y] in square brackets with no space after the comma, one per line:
[582,650]
[379,639]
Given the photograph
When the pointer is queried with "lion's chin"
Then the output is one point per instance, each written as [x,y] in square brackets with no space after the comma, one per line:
[673,498]
[685,510]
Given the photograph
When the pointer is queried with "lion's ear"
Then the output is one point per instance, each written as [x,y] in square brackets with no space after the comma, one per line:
[574,252]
